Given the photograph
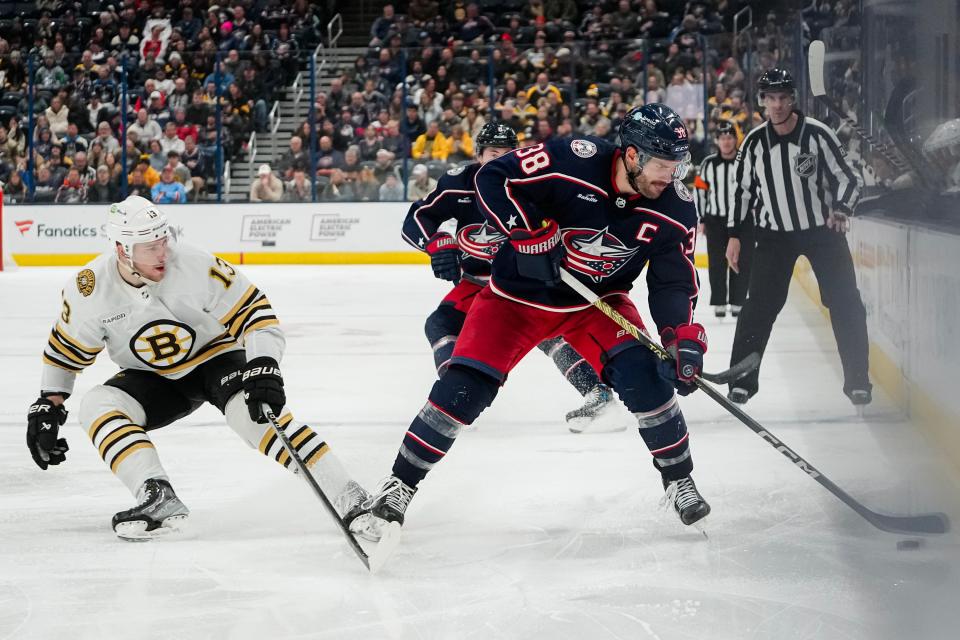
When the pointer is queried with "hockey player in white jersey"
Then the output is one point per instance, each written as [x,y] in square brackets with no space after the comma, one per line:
[185,328]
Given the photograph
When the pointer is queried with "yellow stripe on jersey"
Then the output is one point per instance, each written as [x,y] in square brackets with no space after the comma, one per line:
[260,324]
[104,419]
[120,457]
[234,327]
[92,351]
[118,434]
[65,351]
[248,296]
[66,367]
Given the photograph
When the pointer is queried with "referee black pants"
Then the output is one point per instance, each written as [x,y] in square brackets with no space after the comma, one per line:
[727,286]
[773,262]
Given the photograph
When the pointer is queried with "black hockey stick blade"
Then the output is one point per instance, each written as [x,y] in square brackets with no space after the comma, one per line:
[305,473]
[734,373]
[931,523]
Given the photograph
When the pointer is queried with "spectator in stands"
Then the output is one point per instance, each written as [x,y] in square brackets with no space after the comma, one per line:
[145,128]
[338,189]
[369,145]
[84,170]
[15,190]
[266,187]
[137,184]
[392,140]
[391,190]
[156,107]
[57,116]
[72,141]
[380,28]
[225,78]
[475,28]
[44,143]
[431,145]
[384,165]
[327,157]
[366,187]
[103,189]
[351,163]
[196,163]
[45,189]
[179,98]
[286,52]
[158,157]
[72,191]
[413,124]
[420,184]
[150,176]
[181,173]
[682,96]
[182,126]
[126,41]
[105,138]
[293,159]
[170,141]
[337,97]
[542,89]
[459,144]
[50,76]
[154,46]
[298,189]
[168,190]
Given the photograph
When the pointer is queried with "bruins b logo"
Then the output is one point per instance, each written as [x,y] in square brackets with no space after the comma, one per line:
[162,344]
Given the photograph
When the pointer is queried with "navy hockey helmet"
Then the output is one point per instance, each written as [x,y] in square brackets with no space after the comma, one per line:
[496,134]
[656,131]
[777,79]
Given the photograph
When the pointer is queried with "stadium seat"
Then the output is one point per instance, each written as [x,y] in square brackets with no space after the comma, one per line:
[6,113]
[11,98]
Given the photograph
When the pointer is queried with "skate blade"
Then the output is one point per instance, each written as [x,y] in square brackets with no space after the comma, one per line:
[699,525]
[136,530]
[587,426]
[389,540]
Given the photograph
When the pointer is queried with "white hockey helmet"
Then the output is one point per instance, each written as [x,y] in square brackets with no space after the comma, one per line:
[134,221]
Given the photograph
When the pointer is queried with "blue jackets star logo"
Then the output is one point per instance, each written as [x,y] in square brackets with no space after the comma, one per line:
[598,254]
[480,241]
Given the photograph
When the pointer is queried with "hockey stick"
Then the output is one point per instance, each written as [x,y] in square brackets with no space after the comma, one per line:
[297,460]
[927,523]
[815,59]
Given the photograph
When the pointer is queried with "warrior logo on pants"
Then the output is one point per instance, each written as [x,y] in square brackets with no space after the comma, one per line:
[162,344]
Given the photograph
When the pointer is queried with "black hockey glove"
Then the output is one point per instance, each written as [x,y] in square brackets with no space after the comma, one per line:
[686,343]
[43,423]
[262,383]
[539,252]
[444,257]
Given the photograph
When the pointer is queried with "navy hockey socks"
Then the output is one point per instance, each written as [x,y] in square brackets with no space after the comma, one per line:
[455,401]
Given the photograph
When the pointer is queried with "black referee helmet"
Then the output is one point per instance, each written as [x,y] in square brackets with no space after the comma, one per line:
[776,80]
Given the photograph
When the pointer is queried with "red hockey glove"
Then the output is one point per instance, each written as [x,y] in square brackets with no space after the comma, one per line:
[539,252]
[444,257]
[686,343]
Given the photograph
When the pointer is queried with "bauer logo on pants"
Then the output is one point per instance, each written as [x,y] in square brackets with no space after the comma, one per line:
[162,344]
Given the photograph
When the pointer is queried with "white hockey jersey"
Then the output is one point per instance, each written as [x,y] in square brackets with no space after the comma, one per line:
[202,307]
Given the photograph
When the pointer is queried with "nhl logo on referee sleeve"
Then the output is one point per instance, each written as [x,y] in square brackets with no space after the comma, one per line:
[805,164]
[583,148]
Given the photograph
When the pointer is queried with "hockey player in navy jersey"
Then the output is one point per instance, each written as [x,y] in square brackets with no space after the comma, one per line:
[465,258]
[603,213]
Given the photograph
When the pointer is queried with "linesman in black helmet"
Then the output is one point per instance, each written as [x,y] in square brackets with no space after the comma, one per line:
[793,173]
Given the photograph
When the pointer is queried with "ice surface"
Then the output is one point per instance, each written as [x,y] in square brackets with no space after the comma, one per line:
[525,531]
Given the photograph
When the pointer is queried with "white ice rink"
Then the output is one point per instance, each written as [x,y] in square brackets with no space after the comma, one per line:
[524,531]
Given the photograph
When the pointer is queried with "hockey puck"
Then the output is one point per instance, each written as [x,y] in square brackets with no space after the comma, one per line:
[909,545]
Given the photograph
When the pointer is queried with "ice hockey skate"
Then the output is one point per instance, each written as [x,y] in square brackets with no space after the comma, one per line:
[738,395]
[386,508]
[687,501]
[158,512]
[597,415]
[350,505]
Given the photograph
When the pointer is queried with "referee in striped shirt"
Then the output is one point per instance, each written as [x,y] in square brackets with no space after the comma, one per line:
[792,172]
[714,187]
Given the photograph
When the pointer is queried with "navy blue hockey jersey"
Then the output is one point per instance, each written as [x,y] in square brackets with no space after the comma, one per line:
[609,236]
[454,199]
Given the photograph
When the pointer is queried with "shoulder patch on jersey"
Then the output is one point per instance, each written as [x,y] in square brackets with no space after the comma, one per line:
[682,191]
[86,281]
[583,148]
[456,171]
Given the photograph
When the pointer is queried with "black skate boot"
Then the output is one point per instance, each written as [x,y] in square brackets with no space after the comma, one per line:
[597,402]
[687,501]
[391,499]
[158,512]
[860,397]
[720,311]
[735,311]
[739,395]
